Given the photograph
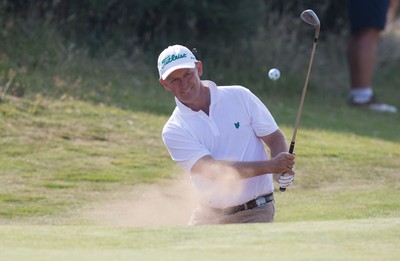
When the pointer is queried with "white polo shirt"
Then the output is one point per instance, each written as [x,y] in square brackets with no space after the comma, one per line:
[231,131]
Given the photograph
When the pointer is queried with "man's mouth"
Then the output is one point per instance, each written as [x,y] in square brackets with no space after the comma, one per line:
[188,90]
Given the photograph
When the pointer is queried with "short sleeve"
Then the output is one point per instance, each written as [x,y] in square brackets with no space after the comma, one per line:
[184,148]
[262,121]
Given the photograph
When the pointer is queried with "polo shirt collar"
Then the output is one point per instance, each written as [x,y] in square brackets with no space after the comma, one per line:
[214,98]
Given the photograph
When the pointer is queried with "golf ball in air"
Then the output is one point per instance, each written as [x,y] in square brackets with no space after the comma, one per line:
[274,74]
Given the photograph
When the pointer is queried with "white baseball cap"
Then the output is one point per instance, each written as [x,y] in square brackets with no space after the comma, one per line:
[173,58]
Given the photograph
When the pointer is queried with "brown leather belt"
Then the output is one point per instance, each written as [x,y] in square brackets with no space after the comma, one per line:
[258,202]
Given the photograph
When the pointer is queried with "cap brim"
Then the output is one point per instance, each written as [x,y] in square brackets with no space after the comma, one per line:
[177,67]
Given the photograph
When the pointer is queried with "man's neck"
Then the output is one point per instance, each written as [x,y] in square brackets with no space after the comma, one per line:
[203,104]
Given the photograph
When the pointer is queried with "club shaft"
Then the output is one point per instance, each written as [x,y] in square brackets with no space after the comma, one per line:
[299,111]
[296,126]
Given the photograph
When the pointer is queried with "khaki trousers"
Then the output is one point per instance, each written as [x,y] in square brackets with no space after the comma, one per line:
[207,216]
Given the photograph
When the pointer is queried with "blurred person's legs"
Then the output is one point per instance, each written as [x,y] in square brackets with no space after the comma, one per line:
[367,20]
[361,58]
[391,16]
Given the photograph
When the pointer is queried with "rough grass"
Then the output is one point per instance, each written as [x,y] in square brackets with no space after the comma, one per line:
[59,154]
[67,151]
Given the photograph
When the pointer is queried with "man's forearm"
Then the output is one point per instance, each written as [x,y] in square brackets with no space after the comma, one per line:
[211,168]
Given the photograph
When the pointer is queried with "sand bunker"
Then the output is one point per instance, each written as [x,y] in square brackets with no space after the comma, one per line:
[168,203]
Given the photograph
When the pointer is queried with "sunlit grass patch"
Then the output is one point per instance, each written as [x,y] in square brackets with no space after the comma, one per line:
[24,204]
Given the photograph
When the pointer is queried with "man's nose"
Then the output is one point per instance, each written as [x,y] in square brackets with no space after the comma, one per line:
[182,83]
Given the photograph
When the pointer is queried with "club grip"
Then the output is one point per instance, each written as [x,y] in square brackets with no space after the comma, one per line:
[282,189]
[291,149]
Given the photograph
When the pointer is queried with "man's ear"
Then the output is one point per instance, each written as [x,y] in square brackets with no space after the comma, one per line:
[199,68]
[163,83]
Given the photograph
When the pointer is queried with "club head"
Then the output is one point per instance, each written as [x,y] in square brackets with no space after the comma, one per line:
[309,17]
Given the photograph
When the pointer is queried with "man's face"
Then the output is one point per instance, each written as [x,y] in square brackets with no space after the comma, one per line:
[184,83]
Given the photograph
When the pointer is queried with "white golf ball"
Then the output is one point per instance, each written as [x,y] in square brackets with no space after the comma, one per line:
[274,74]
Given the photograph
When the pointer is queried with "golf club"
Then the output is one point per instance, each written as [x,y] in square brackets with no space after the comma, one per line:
[309,17]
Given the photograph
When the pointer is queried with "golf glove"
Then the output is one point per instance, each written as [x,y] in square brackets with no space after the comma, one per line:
[286,180]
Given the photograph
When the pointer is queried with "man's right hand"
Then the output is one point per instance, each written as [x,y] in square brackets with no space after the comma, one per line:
[283,163]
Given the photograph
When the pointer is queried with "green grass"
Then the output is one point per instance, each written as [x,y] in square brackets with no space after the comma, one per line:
[362,239]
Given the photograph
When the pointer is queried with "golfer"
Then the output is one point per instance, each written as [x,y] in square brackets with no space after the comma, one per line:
[217,135]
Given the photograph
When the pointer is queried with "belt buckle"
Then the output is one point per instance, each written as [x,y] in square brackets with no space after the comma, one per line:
[261,201]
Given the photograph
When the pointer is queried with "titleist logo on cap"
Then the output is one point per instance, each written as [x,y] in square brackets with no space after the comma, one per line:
[171,58]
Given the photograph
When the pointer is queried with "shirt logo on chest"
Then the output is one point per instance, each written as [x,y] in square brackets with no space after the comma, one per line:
[237,125]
